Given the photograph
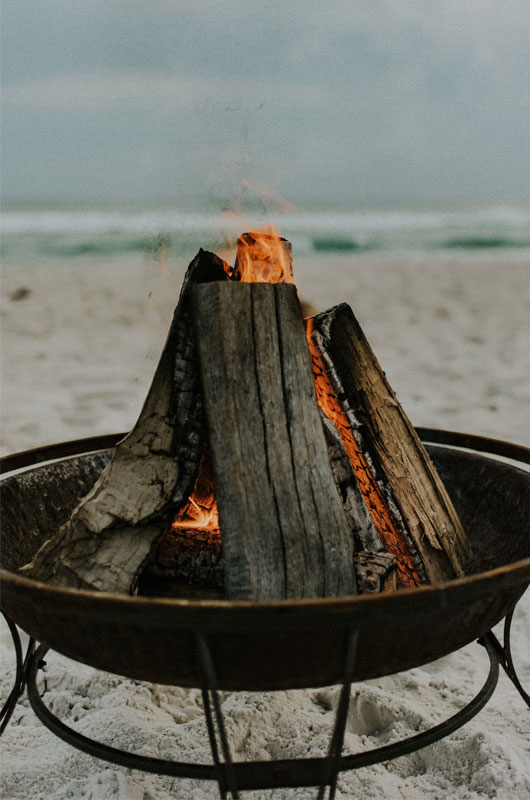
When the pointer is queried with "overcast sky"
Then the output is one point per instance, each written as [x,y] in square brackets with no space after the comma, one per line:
[355,102]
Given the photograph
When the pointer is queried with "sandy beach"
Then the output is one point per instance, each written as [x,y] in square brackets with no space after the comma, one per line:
[80,341]
[79,347]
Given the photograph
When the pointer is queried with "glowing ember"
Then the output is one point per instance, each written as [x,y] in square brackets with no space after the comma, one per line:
[375,501]
[200,511]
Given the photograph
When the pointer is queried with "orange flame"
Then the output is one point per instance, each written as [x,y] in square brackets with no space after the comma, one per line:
[263,257]
[200,511]
[376,503]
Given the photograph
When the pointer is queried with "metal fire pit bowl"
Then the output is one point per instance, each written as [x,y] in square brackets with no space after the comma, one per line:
[263,646]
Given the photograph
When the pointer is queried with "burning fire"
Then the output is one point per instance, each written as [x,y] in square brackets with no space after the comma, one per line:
[200,511]
[264,257]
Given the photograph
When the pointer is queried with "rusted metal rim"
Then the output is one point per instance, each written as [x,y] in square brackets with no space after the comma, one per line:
[53,452]
[317,603]
[93,444]
[481,444]
[286,643]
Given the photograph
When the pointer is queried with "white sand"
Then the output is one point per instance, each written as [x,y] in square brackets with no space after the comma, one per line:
[453,334]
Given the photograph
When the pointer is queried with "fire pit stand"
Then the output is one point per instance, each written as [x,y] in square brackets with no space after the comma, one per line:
[233,777]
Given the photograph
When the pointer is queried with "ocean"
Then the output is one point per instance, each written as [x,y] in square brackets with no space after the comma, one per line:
[39,234]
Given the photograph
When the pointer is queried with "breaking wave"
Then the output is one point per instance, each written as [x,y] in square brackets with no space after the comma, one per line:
[44,233]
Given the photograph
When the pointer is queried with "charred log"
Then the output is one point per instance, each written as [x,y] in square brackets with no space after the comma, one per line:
[110,532]
[398,460]
[366,536]
[190,564]
[185,558]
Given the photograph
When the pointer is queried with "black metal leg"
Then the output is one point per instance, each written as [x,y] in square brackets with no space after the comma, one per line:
[504,653]
[510,668]
[225,770]
[331,771]
[20,675]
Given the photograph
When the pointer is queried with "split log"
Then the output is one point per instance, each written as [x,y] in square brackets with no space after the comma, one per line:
[152,471]
[284,529]
[397,457]
[389,528]
[366,536]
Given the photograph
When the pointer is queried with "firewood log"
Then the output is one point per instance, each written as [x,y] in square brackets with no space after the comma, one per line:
[376,572]
[193,557]
[110,532]
[285,533]
[366,536]
[397,457]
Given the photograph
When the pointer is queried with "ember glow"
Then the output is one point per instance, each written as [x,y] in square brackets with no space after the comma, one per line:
[200,511]
[376,503]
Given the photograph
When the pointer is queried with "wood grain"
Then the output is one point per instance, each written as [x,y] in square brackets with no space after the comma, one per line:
[284,529]
[398,457]
[109,534]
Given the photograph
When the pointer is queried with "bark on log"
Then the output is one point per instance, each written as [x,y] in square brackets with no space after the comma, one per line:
[110,532]
[284,529]
[398,457]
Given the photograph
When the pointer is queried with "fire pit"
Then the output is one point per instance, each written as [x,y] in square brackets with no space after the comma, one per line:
[270,645]
[272,521]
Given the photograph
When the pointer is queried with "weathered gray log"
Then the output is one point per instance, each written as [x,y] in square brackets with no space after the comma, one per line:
[186,415]
[110,532]
[396,453]
[284,529]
